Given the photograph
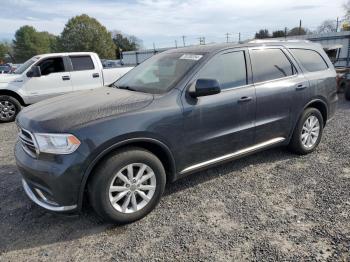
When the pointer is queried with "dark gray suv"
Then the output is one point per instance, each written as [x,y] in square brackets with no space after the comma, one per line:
[178,112]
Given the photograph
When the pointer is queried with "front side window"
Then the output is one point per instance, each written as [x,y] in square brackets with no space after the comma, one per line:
[51,65]
[159,73]
[81,63]
[269,64]
[310,59]
[228,69]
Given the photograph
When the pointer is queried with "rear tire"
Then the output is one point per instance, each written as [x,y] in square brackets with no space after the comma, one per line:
[9,108]
[117,181]
[347,93]
[307,133]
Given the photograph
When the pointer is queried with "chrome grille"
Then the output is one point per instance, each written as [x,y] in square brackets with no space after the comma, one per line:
[28,142]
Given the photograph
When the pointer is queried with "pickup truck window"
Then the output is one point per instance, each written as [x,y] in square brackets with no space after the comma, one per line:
[80,63]
[269,64]
[229,69]
[159,73]
[51,65]
[25,66]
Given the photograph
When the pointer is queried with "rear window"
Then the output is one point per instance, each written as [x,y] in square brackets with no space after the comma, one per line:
[310,59]
[82,63]
[269,64]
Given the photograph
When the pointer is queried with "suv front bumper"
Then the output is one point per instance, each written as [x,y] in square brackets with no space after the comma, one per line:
[52,182]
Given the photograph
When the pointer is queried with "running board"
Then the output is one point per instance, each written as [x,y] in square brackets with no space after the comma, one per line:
[233,155]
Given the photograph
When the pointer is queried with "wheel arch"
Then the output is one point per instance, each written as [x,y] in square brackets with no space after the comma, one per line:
[13,94]
[156,147]
[321,106]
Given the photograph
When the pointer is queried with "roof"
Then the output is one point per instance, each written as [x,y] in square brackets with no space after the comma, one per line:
[218,47]
[64,54]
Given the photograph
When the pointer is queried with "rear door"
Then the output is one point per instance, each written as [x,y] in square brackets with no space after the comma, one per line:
[85,75]
[54,80]
[220,124]
[280,88]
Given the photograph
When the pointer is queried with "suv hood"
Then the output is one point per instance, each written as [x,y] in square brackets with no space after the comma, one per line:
[64,112]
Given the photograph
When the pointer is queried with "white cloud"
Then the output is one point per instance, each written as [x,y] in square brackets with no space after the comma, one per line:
[172,18]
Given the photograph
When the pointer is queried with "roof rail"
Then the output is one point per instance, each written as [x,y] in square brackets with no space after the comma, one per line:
[258,41]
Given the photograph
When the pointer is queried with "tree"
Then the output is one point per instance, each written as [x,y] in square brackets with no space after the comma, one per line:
[263,33]
[327,26]
[125,43]
[298,31]
[84,33]
[278,33]
[5,51]
[28,42]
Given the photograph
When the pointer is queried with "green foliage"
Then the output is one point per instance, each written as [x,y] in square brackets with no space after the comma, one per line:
[297,31]
[83,33]
[263,33]
[126,43]
[4,50]
[29,42]
[278,33]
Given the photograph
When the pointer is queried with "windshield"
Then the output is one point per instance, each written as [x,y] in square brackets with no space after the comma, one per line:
[25,66]
[159,73]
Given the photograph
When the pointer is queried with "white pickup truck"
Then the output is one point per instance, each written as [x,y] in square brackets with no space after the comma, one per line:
[49,75]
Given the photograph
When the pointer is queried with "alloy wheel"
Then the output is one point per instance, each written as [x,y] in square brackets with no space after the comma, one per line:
[7,110]
[310,132]
[132,188]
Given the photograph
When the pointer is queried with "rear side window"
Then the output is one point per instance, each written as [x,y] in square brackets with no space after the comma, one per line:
[269,64]
[310,59]
[82,63]
[229,69]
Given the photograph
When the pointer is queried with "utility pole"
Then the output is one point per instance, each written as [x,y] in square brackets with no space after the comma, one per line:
[285,33]
[336,29]
[227,36]
[175,43]
[183,40]
[201,40]
[300,27]
[239,37]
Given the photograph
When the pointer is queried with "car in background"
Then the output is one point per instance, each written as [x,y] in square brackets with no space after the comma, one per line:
[50,75]
[111,63]
[5,69]
[178,112]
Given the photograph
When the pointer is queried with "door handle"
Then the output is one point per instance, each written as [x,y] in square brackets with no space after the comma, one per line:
[95,75]
[245,99]
[300,87]
[64,78]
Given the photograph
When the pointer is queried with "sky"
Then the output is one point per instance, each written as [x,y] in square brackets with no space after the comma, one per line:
[163,22]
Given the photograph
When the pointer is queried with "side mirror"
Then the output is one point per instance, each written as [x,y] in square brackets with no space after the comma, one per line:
[204,87]
[34,72]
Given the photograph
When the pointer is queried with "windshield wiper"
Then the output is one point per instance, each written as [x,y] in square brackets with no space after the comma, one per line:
[125,87]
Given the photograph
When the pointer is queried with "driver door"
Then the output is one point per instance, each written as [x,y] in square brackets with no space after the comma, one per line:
[54,80]
[222,124]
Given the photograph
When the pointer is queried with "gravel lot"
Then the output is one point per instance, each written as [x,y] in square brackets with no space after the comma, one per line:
[270,206]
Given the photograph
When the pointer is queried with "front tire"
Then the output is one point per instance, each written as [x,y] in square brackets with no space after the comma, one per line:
[127,185]
[307,133]
[9,108]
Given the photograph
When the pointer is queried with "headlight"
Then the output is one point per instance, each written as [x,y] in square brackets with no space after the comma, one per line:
[57,143]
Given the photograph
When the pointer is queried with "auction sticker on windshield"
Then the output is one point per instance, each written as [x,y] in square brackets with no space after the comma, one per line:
[191,57]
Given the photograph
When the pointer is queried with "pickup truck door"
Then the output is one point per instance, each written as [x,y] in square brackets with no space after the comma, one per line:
[280,90]
[219,125]
[54,80]
[85,73]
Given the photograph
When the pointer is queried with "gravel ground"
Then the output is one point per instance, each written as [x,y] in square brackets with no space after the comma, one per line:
[270,206]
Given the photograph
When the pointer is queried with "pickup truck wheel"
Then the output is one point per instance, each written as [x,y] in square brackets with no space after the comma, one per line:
[9,108]
[308,132]
[127,186]
[347,93]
